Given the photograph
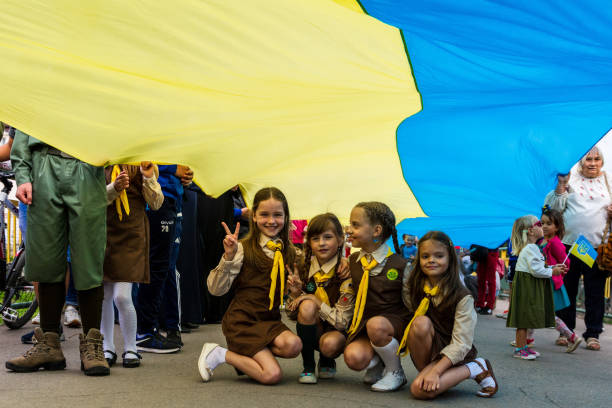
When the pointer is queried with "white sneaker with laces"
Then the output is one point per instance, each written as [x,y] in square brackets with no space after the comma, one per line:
[203,367]
[72,317]
[36,319]
[374,374]
[391,381]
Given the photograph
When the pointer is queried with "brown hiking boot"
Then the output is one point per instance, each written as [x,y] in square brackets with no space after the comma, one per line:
[92,354]
[46,353]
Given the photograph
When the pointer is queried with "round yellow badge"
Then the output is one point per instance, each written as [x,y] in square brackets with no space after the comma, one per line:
[392,274]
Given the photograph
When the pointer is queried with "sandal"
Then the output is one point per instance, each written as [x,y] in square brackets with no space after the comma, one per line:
[486,392]
[593,344]
[131,362]
[110,360]
[562,341]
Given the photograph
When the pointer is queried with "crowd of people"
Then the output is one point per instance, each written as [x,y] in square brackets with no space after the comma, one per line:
[115,227]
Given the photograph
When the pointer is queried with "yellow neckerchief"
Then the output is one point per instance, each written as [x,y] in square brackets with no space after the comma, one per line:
[277,267]
[421,310]
[122,195]
[321,278]
[362,293]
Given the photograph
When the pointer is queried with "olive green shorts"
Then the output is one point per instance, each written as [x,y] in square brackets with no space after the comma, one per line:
[68,208]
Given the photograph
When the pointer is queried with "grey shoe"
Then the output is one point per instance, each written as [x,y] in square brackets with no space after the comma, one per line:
[46,353]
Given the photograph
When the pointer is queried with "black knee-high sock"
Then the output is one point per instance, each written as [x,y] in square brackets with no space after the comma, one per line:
[90,304]
[308,334]
[51,297]
[326,361]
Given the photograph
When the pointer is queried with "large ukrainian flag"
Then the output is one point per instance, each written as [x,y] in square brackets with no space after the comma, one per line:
[320,97]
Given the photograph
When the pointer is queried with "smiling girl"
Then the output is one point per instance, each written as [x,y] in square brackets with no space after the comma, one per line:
[439,338]
[323,301]
[379,315]
[254,267]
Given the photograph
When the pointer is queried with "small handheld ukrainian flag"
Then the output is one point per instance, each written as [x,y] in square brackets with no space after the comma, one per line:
[583,250]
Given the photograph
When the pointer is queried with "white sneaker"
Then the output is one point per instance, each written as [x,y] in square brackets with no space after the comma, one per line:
[307,378]
[391,381]
[374,374]
[72,317]
[205,372]
[36,319]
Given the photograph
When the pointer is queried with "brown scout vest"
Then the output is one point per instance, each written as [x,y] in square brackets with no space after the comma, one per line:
[332,288]
[384,296]
[127,244]
[443,321]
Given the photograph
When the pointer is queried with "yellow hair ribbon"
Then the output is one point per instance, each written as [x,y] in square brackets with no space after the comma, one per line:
[421,310]
[122,199]
[277,267]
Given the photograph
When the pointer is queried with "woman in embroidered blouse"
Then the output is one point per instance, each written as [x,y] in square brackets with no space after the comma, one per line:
[585,202]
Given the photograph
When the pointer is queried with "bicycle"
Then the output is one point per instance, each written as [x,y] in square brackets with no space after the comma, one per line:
[18,296]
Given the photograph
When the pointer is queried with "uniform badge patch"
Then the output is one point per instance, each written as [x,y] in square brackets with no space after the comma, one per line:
[311,287]
[392,274]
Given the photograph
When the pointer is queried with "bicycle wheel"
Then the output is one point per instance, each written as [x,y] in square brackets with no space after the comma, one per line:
[19,303]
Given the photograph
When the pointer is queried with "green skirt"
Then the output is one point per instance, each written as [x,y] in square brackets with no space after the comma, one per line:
[532,305]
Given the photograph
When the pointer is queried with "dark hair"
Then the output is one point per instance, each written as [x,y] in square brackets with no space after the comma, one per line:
[451,288]
[317,226]
[380,213]
[251,241]
[557,218]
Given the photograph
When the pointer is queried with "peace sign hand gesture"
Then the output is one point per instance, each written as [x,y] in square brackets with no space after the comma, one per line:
[230,242]
[294,283]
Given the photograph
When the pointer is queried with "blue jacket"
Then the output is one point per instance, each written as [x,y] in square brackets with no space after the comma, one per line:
[170,184]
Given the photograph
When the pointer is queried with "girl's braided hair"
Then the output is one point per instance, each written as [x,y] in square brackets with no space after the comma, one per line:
[317,226]
[380,213]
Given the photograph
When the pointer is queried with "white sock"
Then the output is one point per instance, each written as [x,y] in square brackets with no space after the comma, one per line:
[373,362]
[107,323]
[388,355]
[216,357]
[475,369]
[122,296]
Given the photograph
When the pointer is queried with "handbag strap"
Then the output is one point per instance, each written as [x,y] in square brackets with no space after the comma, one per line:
[607,229]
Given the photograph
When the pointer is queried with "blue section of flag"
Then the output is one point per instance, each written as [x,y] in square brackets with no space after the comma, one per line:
[583,250]
[513,92]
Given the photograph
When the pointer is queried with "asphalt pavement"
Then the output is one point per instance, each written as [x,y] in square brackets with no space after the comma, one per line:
[556,379]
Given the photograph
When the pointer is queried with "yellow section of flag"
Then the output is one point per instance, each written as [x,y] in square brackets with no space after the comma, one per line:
[302,95]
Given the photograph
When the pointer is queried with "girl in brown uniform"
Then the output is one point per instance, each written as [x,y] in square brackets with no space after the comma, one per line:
[322,301]
[439,338]
[129,190]
[254,267]
[380,316]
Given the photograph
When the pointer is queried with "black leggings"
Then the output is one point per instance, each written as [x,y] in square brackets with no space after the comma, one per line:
[51,298]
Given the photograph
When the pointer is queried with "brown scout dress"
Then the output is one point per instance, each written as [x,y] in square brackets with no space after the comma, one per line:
[127,241]
[248,325]
[443,321]
[384,296]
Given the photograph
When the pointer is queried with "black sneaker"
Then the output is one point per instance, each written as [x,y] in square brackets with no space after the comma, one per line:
[174,336]
[29,338]
[155,343]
